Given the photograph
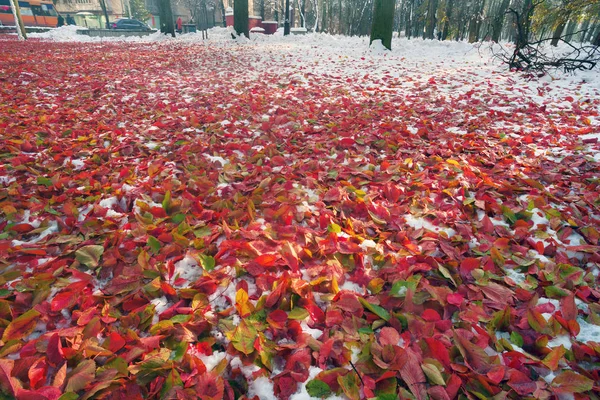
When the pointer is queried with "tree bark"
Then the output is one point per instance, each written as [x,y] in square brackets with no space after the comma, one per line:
[475,23]
[324,17]
[431,11]
[286,22]
[167,25]
[447,17]
[105,12]
[499,21]
[383,22]
[224,20]
[558,32]
[240,17]
[20,27]
[597,40]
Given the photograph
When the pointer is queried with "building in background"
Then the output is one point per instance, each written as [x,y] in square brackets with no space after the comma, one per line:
[89,12]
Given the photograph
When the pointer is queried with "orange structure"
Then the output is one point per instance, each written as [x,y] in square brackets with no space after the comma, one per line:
[33,12]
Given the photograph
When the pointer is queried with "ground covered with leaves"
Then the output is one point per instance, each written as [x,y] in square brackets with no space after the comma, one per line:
[293,218]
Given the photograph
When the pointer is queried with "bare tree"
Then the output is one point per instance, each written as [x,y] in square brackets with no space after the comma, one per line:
[383,22]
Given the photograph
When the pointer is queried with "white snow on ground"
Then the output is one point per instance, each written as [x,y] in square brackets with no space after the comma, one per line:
[188,269]
[213,360]
[588,333]
[414,64]
[420,222]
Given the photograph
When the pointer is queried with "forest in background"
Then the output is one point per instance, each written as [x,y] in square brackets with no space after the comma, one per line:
[472,20]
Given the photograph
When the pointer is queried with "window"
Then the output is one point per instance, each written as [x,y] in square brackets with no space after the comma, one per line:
[49,10]
[25,10]
[5,9]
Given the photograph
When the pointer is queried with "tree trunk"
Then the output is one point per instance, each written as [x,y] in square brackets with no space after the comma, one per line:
[408,22]
[286,22]
[383,22]
[571,26]
[523,24]
[430,27]
[475,23]
[20,27]
[223,19]
[558,32]
[499,21]
[167,25]
[105,12]
[592,31]
[597,40]
[324,17]
[447,17]
[240,17]
[205,12]
[340,18]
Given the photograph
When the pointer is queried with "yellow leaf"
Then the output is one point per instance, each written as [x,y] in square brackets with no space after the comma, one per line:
[242,304]
[334,286]
[453,162]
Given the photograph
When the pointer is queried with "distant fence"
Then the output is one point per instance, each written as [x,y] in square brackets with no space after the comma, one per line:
[113,32]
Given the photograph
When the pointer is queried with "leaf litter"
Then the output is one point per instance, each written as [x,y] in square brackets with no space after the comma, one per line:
[279,218]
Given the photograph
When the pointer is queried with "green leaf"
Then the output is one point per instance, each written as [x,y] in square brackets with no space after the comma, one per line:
[516,338]
[433,374]
[21,326]
[69,396]
[349,384]
[90,255]
[509,215]
[335,228]
[202,232]
[572,382]
[375,309]
[537,322]
[181,319]
[554,292]
[83,374]
[154,244]
[243,338]
[298,313]
[208,262]
[166,203]
[172,380]
[41,180]
[178,218]
[500,319]
[317,388]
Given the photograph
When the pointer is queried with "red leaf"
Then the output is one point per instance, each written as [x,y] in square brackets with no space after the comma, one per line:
[474,355]
[21,326]
[349,303]
[7,382]
[63,301]
[520,382]
[571,382]
[266,260]
[496,374]
[291,257]
[413,375]
[469,264]
[277,319]
[37,373]
[389,335]
[298,363]
[455,299]
[116,342]
[54,351]
[431,315]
